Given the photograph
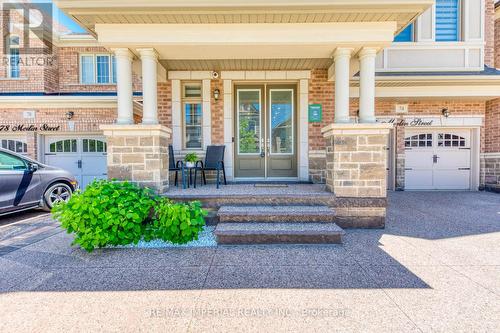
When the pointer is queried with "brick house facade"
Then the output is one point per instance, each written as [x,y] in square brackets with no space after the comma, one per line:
[53,91]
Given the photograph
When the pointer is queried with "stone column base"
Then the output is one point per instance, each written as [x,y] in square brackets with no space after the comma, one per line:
[138,153]
[356,167]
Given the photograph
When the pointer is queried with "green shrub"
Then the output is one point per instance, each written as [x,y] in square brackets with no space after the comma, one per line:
[178,223]
[106,213]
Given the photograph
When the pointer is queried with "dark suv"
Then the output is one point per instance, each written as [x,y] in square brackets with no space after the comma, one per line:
[26,183]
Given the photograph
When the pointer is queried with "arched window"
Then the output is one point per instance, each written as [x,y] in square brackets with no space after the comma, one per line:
[94,146]
[419,140]
[450,140]
[63,146]
[14,60]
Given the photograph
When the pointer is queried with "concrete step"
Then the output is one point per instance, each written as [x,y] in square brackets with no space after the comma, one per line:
[278,233]
[307,214]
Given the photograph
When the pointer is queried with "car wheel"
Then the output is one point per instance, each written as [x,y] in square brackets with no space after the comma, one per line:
[56,193]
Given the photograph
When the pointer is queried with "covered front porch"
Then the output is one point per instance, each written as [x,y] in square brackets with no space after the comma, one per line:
[239,54]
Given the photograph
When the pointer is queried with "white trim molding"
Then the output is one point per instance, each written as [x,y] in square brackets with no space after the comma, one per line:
[432,56]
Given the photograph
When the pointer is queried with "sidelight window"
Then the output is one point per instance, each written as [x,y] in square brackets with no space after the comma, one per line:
[192,116]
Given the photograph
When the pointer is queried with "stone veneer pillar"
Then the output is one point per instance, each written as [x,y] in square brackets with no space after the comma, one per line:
[138,153]
[356,171]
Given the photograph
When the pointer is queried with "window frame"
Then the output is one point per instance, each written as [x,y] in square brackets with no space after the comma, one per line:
[412,34]
[14,47]
[460,20]
[111,68]
[191,100]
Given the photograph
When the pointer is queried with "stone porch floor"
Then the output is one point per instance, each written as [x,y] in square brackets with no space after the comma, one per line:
[210,190]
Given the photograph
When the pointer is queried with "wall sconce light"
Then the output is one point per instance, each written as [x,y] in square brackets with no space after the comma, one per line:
[216,94]
[69,115]
[445,112]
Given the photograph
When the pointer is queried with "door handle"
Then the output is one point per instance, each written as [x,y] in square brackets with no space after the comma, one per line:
[79,163]
[262,148]
[435,158]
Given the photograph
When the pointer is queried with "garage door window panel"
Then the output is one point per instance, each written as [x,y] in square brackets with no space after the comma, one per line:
[15,146]
[451,140]
[94,146]
[63,146]
[419,141]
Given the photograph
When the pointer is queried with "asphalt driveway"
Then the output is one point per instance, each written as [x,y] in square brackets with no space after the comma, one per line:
[435,268]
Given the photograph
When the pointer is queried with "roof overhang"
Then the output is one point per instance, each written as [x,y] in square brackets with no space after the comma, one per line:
[91,12]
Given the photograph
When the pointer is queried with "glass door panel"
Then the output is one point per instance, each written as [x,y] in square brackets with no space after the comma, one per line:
[281,121]
[249,133]
[249,121]
[281,159]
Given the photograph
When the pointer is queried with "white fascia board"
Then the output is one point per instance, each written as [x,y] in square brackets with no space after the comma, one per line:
[246,41]
[263,33]
[467,79]
[482,91]
[59,101]
[403,5]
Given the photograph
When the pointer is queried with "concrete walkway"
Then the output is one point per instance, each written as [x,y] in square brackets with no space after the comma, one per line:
[435,268]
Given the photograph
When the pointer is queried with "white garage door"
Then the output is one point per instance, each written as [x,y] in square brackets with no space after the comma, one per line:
[437,160]
[84,157]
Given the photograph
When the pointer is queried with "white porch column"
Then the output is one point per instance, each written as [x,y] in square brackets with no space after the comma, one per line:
[149,59]
[342,59]
[124,85]
[367,85]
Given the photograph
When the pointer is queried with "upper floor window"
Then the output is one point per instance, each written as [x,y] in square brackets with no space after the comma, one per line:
[192,115]
[406,35]
[97,69]
[14,59]
[447,20]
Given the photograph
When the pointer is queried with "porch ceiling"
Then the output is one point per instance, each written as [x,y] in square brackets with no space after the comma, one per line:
[246,64]
[92,12]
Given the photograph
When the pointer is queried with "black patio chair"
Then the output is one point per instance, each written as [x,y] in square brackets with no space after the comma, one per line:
[172,164]
[214,161]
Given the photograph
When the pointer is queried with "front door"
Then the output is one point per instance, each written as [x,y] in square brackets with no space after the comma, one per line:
[265,141]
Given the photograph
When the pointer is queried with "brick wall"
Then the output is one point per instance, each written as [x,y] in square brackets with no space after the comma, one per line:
[85,120]
[489,33]
[492,127]
[217,113]
[164,92]
[59,72]
[497,41]
[69,70]
[490,161]
[321,91]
